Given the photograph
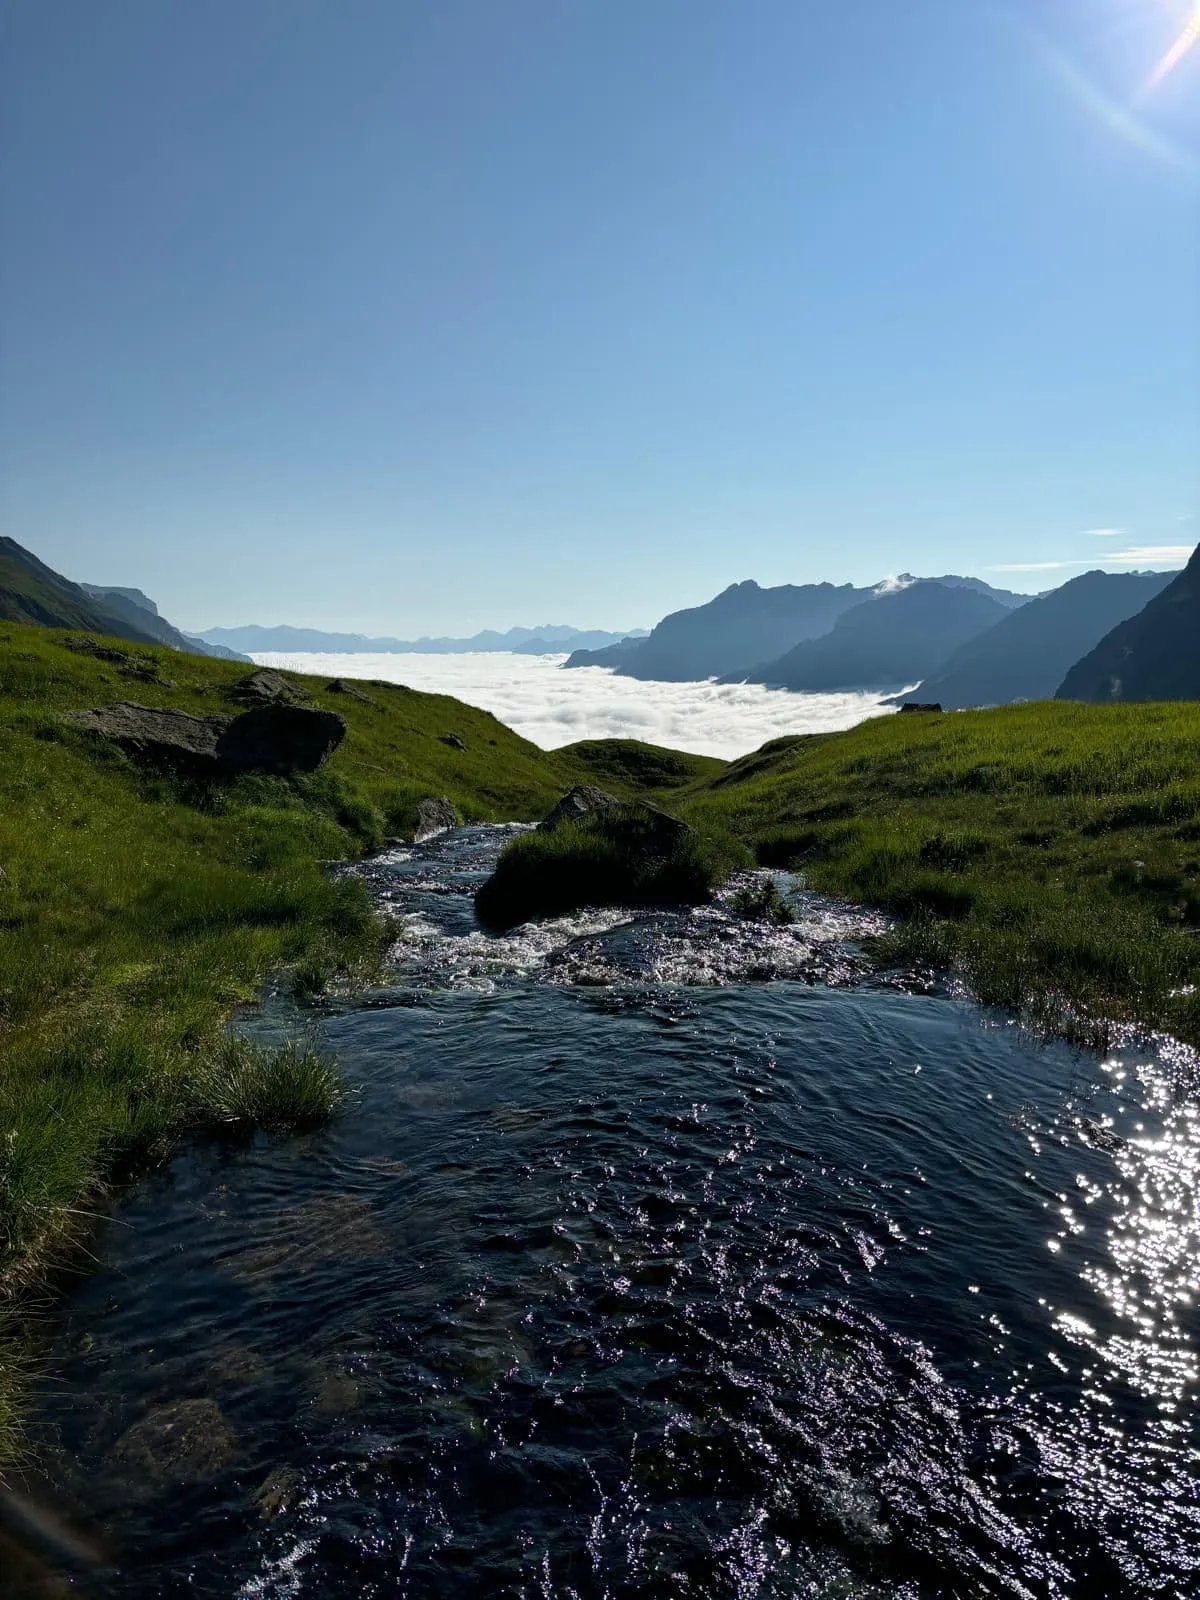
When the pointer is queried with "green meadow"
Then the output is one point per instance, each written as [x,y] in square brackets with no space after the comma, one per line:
[1050,852]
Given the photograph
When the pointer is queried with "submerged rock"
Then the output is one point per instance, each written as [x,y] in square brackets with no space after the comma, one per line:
[273,738]
[434,815]
[279,1492]
[183,1442]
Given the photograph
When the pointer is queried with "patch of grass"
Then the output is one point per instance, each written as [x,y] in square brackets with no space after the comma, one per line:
[627,855]
[289,1088]
[1048,851]
[622,764]
[762,902]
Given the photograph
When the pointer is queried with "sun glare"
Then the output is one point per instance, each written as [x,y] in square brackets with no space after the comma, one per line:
[1188,38]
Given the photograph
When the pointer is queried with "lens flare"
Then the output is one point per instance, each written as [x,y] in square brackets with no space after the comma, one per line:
[1187,40]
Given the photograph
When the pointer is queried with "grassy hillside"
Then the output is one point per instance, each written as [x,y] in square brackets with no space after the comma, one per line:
[137,910]
[1051,851]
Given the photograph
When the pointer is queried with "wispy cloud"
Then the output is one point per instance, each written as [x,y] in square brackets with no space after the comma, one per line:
[552,707]
[1034,566]
[1153,555]
[1138,555]
[1107,533]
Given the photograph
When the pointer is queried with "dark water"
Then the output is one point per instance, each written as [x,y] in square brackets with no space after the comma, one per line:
[677,1257]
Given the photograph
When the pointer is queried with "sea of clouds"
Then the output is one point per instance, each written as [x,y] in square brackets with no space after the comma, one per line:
[534,695]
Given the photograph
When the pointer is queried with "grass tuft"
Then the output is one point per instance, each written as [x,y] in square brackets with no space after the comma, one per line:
[290,1088]
[762,902]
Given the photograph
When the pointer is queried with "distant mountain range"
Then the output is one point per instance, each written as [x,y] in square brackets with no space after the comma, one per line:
[1027,653]
[1154,655]
[549,639]
[887,642]
[30,591]
[738,634]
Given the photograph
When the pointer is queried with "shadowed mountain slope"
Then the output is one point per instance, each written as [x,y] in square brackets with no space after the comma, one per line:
[1154,655]
[1026,654]
[742,626]
[887,642]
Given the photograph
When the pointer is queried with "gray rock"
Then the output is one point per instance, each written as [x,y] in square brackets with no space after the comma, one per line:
[340,686]
[635,823]
[919,705]
[274,738]
[454,740]
[581,801]
[84,645]
[264,688]
[151,734]
[434,816]
[280,738]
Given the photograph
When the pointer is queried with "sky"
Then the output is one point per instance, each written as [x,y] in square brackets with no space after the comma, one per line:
[419,318]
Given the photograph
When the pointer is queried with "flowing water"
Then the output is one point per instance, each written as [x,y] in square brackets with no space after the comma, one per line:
[664,1256]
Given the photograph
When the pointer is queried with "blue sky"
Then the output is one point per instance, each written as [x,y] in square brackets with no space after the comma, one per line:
[417,317]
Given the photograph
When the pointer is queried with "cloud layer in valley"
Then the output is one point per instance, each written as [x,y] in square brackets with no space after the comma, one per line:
[533,695]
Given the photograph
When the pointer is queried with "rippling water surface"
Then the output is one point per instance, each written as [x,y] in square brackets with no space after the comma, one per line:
[673,1256]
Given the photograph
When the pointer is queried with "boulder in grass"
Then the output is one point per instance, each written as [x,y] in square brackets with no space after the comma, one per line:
[351,690]
[273,738]
[280,738]
[266,687]
[920,705]
[584,800]
[169,738]
[434,815]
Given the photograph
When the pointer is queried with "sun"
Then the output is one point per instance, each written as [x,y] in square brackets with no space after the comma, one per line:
[1188,38]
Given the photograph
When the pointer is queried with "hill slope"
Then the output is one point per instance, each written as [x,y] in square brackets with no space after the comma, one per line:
[30,591]
[1154,655]
[1026,654]
[887,642]
[135,610]
[1049,851]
